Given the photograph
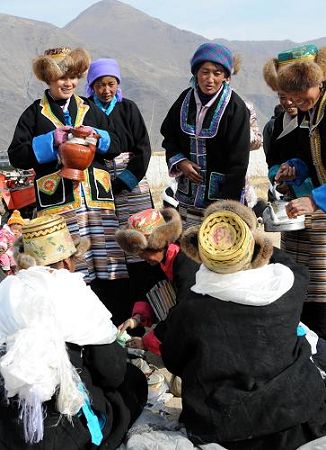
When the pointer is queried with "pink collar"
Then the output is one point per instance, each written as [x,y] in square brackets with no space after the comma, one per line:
[167,265]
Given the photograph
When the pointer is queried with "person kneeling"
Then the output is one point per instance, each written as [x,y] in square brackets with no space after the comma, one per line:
[248,381]
[67,384]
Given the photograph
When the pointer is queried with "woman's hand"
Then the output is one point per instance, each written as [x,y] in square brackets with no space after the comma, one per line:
[299,206]
[285,173]
[136,342]
[190,170]
[133,322]
[61,135]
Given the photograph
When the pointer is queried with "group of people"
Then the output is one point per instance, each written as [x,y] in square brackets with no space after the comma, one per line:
[251,372]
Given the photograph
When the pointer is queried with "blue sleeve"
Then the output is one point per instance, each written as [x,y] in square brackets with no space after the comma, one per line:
[319,197]
[104,142]
[129,179]
[44,149]
[272,172]
[301,170]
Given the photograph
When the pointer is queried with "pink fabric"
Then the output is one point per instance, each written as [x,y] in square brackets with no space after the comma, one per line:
[5,261]
[151,343]
[146,313]
[167,265]
[60,135]
[7,236]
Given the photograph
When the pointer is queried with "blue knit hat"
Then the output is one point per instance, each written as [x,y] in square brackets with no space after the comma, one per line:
[214,53]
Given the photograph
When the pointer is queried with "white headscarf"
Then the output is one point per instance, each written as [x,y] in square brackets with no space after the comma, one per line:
[40,310]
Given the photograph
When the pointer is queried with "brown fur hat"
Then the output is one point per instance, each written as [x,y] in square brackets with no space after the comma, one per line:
[59,62]
[295,75]
[238,208]
[263,247]
[134,241]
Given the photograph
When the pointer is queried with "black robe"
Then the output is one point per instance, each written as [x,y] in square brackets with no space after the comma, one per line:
[33,123]
[247,379]
[131,129]
[117,390]
[227,153]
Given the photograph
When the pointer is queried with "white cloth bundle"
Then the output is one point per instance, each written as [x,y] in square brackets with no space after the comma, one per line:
[40,310]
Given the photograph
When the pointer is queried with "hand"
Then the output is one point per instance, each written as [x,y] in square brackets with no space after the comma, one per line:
[85,128]
[299,206]
[136,342]
[61,135]
[285,173]
[131,323]
[190,170]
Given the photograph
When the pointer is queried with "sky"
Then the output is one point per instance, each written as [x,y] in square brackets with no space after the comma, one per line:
[229,19]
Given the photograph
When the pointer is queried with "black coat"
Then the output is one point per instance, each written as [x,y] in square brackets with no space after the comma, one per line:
[295,144]
[115,388]
[245,373]
[131,129]
[227,153]
[33,123]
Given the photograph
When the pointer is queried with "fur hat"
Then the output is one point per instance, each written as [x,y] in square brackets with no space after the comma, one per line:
[16,218]
[59,62]
[215,53]
[151,229]
[227,241]
[297,69]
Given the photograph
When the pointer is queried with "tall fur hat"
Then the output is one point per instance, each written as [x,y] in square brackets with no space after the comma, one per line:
[227,241]
[59,62]
[151,229]
[296,69]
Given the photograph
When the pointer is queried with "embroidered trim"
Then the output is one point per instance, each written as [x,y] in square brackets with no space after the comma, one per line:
[46,110]
[49,183]
[315,143]
[212,130]
[104,203]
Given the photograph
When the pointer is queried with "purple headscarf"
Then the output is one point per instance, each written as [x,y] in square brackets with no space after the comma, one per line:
[100,68]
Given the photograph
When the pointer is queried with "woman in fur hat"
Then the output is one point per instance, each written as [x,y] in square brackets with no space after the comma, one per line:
[153,235]
[248,382]
[300,74]
[88,206]
[207,135]
[51,324]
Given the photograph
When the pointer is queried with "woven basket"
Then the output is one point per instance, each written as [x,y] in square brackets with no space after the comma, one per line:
[226,243]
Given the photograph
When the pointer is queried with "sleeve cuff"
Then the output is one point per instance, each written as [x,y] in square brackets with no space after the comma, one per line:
[301,170]
[272,172]
[129,179]
[104,142]
[146,313]
[172,163]
[151,343]
[44,149]
[319,197]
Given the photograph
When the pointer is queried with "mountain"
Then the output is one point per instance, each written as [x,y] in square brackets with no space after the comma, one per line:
[154,59]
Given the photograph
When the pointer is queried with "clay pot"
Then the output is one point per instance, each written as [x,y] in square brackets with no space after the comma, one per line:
[77,153]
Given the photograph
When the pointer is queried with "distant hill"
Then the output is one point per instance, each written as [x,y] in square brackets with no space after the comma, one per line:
[154,59]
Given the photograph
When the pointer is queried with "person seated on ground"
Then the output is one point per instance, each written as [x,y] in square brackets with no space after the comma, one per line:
[152,234]
[248,381]
[10,232]
[66,381]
